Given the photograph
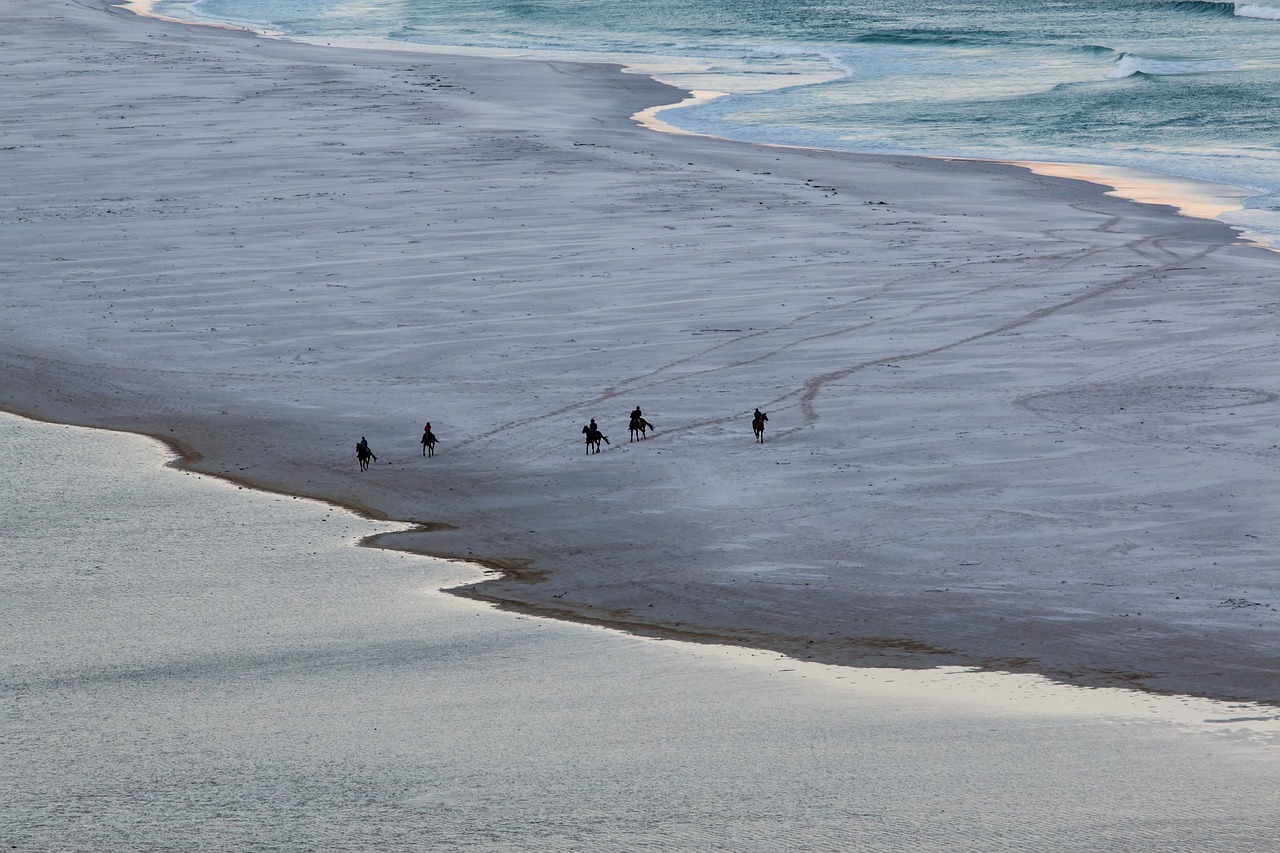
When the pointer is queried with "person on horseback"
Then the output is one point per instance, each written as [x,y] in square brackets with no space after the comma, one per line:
[428,441]
[638,424]
[757,424]
[594,436]
[364,454]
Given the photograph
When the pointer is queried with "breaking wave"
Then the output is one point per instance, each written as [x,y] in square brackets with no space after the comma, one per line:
[1129,64]
[1265,13]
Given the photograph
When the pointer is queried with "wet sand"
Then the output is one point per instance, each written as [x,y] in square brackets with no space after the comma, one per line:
[189,665]
[1015,423]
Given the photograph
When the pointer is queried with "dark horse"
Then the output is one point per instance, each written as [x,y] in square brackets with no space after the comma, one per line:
[364,454]
[428,443]
[594,436]
[639,426]
[757,425]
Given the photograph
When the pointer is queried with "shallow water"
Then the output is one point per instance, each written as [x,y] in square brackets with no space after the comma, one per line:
[191,665]
[1181,88]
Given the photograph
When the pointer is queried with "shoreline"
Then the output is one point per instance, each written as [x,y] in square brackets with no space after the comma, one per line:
[607,580]
[1189,197]
[900,653]
[342,702]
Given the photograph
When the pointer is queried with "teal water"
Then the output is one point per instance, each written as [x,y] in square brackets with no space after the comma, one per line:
[1185,88]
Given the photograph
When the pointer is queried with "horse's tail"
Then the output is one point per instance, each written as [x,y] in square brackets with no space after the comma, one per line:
[648,425]
[605,437]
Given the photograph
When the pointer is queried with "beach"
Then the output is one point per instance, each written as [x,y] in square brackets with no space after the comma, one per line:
[242,677]
[1015,423]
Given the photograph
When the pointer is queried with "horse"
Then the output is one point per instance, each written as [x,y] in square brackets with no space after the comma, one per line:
[428,443]
[363,455]
[594,436]
[638,426]
[757,425]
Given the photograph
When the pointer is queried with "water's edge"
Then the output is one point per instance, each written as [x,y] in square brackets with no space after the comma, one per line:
[1187,197]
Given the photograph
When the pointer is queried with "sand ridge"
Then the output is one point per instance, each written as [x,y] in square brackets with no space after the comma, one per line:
[1014,422]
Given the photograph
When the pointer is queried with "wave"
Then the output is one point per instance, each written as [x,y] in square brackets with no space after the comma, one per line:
[1221,8]
[834,58]
[1129,64]
[950,38]
[1250,10]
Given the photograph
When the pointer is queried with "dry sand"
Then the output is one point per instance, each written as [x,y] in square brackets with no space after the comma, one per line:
[1014,422]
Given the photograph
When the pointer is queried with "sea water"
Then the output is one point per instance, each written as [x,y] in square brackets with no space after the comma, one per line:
[189,665]
[1187,88]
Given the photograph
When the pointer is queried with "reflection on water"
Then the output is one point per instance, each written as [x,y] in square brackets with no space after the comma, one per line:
[189,665]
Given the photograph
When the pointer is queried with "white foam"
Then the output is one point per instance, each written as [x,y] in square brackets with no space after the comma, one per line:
[1249,10]
[1129,64]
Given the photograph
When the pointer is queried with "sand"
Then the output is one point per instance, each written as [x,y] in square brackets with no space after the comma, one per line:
[1015,423]
[241,678]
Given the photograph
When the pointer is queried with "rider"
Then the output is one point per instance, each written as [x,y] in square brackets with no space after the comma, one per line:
[363,446]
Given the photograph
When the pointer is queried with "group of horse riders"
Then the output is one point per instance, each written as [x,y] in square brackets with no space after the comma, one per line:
[639,427]
[364,453]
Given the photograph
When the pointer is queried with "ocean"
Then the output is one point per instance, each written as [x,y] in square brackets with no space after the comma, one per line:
[1179,88]
[189,665]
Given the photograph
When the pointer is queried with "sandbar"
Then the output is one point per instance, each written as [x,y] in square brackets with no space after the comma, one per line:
[1015,423]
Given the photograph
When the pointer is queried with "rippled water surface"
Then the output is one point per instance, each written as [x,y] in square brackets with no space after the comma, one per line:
[189,665]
